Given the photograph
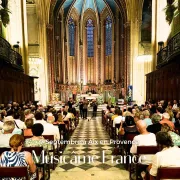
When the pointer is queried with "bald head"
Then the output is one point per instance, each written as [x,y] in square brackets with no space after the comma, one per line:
[141,126]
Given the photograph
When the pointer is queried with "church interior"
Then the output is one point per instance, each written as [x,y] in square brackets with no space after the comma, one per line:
[90,89]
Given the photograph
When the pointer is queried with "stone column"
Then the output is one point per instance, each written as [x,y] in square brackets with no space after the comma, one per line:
[63,54]
[99,63]
[117,54]
[66,63]
[81,61]
[102,53]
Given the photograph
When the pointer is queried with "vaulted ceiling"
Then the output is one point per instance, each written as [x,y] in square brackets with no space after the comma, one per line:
[82,5]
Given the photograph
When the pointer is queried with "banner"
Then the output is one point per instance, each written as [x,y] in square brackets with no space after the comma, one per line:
[130,93]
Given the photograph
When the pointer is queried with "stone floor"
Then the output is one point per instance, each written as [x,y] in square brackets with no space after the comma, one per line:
[89,155]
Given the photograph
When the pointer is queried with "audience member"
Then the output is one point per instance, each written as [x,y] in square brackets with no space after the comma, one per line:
[49,129]
[143,139]
[29,124]
[19,124]
[169,156]
[147,120]
[165,119]
[175,137]
[37,140]
[8,128]
[156,126]
[15,157]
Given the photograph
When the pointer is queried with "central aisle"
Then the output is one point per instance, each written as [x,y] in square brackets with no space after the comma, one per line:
[93,141]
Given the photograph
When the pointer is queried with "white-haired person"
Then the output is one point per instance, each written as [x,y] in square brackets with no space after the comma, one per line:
[147,120]
[166,119]
[8,128]
[16,130]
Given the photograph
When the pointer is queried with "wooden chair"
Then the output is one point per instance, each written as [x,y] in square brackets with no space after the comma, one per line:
[126,147]
[51,139]
[168,173]
[4,149]
[16,172]
[62,131]
[144,150]
[38,150]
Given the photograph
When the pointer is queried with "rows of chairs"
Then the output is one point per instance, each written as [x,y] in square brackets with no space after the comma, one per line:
[124,150]
[65,129]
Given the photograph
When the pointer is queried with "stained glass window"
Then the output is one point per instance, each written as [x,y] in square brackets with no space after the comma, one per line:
[108,36]
[71,36]
[90,38]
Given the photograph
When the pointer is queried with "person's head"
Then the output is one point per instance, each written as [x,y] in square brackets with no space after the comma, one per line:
[29,123]
[155,118]
[141,126]
[50,119]
[37,129]
[129,120]
[10,113]
[16,142]
[27,112]
[146,114]
[159,109]
[165,116]
[163,140]
[133,111]
[127,113]
[9,105]
[166,128]
[175,101]
[16,115]
[117,111]
[8,127]
[38,115]
[136,117]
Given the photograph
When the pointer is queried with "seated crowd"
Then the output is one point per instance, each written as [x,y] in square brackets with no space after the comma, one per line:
[27,126]
[151,124]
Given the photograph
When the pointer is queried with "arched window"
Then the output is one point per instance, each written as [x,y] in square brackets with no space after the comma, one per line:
[71,36]
[90,38]
[146,21]
[108,36]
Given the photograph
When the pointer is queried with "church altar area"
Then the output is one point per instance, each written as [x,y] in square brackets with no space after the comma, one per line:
[90,97]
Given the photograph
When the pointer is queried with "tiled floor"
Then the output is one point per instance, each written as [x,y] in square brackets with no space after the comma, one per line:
[91,157]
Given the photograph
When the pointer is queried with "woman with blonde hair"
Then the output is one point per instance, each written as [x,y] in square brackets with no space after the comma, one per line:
[15,157]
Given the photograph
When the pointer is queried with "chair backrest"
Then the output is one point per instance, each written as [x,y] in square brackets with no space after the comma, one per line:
[168,173]
[130,136]
[49,137]
[37,150]
[147,149]
[4,149]
[14,172]
[66,122]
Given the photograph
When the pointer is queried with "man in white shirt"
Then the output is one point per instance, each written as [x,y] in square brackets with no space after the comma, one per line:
[144,139]
[20,124]
[169,156]
[49,129]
